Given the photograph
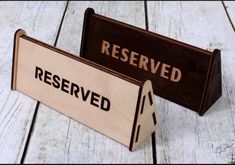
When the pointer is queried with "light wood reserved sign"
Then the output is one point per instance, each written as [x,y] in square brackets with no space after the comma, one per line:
[111,103]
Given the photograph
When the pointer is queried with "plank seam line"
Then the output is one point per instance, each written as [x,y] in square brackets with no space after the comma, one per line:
[38,103]
[146,15]
[153,137]
[61,23]
[229,18]
[154,151]
[30,133]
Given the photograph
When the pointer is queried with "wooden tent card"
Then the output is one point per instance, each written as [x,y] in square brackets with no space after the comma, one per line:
[111,103]
[181,73]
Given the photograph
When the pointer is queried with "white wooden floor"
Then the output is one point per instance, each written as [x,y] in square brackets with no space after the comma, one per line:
[34,133]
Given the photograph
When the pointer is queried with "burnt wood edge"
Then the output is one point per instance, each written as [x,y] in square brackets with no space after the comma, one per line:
[136,117]
[90,12]
[87,13]
[17,34]
[213,87]
[205,86]
[85,61]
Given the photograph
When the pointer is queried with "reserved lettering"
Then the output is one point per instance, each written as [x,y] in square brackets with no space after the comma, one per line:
[143,62]
[72,89]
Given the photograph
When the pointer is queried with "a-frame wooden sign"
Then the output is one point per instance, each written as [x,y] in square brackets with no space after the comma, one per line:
[179,72]
[113,104]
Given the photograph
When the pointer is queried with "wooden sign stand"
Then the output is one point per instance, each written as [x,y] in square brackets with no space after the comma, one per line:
[113,104]
[179,72]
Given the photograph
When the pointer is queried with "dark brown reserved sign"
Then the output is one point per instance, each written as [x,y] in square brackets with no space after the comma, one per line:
[179,72]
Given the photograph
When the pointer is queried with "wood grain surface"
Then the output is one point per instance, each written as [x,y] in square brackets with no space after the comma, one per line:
[230,11]
[183,136]
[16,109]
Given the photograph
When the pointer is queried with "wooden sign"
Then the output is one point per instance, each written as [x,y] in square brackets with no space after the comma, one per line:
[111,103]
[181,73]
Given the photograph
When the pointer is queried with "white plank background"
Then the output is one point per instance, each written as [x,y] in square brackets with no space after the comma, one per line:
[57,138]
[16,110]
[230,7]
[183,136]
